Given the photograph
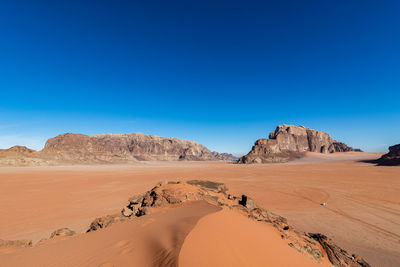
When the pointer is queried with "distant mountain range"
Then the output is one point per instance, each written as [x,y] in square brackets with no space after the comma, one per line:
[109,148]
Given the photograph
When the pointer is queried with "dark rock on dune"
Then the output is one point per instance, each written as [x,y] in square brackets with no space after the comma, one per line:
[127,212]
[62,232]
[392,158]
[104,222]
[15,243]
[247,202]
[289,142]
[337,256]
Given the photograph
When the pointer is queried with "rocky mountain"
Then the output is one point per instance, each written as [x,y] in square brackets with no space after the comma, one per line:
[392,158]
[289,142]
[224,156]
[124,147]
[108,148]
[21,156]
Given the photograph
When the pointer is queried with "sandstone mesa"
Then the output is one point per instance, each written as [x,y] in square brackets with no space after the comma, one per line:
[109,148]
[289,142]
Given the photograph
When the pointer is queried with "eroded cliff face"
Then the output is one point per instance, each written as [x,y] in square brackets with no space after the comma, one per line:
[392,158]
[289,142]
[106,148]
[124,147]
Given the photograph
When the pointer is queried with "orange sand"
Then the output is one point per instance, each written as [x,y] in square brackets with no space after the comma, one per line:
[152,240]
[362,215]
[227,238]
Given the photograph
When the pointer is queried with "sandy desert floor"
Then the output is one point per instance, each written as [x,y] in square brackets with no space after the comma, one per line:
[362,212]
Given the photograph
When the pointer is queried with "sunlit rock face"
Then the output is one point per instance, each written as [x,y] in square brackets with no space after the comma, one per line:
[289,142]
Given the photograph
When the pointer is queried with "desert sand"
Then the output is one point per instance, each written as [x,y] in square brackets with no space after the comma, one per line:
[240,242]
[362,213]
[153,240]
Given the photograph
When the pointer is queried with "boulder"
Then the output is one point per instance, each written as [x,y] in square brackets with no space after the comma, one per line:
[247,202]
[136,199]
[62,232]
[127,212]
[104,222]
[392,158]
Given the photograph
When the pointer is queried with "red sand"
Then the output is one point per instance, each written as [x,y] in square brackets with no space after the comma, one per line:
[153,240]
[228,238]
[362,215]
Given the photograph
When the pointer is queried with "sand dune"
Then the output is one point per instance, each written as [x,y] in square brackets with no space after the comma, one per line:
[153,240]
[170,237]
[227,238]
[362,214]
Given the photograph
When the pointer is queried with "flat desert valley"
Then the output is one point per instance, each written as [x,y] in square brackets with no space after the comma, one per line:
[362,211]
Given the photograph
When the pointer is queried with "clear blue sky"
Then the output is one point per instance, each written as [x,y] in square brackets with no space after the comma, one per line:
[223,73]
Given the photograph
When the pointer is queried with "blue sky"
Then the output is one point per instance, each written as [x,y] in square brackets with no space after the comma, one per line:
[222,73]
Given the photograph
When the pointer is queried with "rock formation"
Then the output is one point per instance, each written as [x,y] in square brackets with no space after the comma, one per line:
[108,148]
[336,255]
[15,243]
[224,156]
[172,194]
[62,232]
[392,158]
[289,142]
[123,147]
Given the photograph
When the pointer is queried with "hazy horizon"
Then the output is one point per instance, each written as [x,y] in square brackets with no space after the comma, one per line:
[38,142]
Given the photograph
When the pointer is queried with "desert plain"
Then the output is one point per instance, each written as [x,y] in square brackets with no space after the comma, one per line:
[362,211]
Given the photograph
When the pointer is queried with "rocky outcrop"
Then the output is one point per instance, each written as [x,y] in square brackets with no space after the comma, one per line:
[392,158]
[341,147]
[224,156]
[62,232]
[173,194]
[108,148]
[289,142]
[105,221]
[336,255]
[15,243]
